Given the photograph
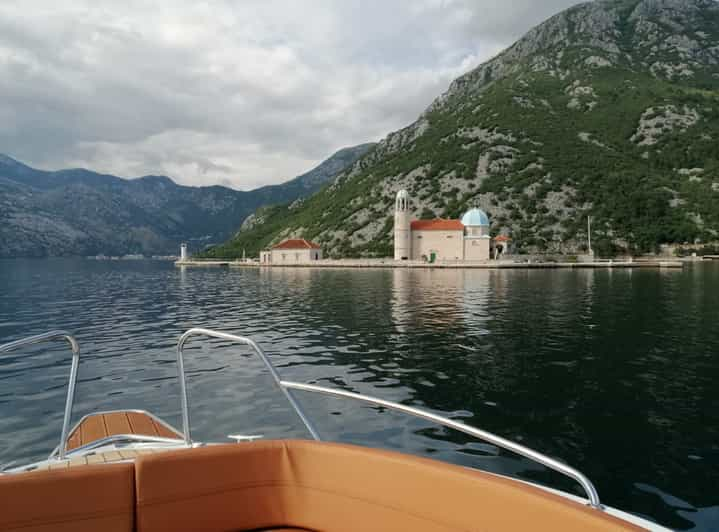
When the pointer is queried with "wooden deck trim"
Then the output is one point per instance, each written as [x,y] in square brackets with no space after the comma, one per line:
[101,458]
[98,426]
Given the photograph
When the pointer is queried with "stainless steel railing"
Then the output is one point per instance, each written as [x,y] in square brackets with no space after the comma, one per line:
[75,347]
[256,348]
[508,445]
[287,386]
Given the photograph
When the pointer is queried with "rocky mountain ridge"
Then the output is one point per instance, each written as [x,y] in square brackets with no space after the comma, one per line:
[79,212]
[609,109]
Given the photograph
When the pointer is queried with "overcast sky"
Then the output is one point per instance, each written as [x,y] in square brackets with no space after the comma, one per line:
[235,92]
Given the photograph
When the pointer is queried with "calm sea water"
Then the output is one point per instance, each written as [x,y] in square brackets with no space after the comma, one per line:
[614,372]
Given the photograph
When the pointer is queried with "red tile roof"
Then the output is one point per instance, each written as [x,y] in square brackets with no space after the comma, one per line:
[502,238]
[298,243]
[437,225]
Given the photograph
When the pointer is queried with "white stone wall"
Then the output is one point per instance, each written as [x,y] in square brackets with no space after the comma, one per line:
[477,230]
[295,256]
[476,249]
[448,245]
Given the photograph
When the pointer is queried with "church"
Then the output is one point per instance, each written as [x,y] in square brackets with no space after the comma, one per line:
[467,239]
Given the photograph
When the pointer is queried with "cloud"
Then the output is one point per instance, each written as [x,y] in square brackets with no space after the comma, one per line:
[242,93]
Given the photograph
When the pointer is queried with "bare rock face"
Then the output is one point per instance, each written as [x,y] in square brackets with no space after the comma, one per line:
[668,31]
[676,37]
[592,112]
[252,220]
[659,121]
[589,24]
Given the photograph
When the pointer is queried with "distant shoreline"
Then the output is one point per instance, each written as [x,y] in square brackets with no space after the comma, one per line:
[388,263]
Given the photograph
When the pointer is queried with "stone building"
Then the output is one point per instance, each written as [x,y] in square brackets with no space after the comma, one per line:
[467,239]
[436,240]
[294,251]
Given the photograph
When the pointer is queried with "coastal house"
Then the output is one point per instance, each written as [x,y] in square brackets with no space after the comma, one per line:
[293,251]
[467,239]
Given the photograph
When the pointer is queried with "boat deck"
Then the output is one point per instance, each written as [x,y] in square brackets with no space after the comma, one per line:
[98,426]
[106,457]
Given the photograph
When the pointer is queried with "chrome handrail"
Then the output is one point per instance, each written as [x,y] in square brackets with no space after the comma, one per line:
[115,438]
[508,445]
[256,348]
[287,386]
[75,347]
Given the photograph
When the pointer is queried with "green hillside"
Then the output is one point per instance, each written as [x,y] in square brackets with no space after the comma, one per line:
[609,110]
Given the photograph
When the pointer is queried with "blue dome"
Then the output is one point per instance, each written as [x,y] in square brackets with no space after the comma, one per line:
[475,217]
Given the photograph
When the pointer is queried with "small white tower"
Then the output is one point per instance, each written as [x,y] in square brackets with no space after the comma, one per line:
[402,241]
[183,252]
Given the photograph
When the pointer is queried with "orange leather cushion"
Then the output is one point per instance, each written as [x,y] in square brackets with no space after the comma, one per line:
[211,490]
[332,487]
[80,499]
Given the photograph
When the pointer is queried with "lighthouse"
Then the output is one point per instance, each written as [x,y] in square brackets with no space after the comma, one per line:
[402,242]
[183,252]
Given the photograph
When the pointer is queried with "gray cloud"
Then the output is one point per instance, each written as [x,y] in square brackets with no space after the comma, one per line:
[242,93]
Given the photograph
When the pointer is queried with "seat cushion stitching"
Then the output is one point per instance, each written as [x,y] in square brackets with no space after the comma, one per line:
[250,486]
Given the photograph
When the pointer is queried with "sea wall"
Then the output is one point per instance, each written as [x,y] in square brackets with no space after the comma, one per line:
[491,265]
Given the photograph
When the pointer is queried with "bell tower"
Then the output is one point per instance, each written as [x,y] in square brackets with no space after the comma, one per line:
[402,241]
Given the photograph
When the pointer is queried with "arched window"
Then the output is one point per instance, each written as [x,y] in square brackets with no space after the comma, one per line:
[402,203]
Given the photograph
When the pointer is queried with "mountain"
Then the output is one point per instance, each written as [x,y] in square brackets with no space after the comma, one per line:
[79,212]
[609,109]
[306,184]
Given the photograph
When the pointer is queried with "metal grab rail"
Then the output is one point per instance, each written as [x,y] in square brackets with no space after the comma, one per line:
[75,347]
[287,386]
[120,438]
[508,445]
[256,348]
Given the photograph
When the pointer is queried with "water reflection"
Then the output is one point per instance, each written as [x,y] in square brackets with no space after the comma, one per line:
[613,372]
